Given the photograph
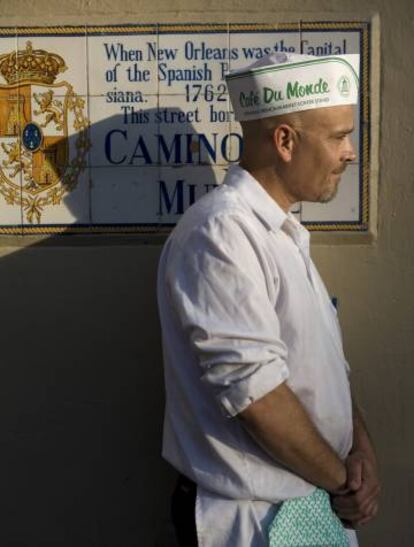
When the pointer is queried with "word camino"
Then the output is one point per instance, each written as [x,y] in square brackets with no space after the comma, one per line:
[180,148]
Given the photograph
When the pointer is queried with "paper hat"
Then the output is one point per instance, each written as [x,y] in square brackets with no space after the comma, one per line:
[280,83]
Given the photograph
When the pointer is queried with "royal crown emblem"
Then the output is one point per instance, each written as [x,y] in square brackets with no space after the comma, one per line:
[43,132]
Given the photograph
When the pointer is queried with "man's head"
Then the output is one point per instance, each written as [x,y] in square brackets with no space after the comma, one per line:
[296,114]
[306,151]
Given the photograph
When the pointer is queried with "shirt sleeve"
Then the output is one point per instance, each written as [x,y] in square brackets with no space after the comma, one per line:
[218,283]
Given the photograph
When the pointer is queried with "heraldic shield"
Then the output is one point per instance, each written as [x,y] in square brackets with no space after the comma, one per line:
[38,166]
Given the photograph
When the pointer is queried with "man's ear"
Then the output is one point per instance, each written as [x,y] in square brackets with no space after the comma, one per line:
[284,140]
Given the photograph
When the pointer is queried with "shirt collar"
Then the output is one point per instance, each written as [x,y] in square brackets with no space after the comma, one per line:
[269,212]
[297,232]
[266,208]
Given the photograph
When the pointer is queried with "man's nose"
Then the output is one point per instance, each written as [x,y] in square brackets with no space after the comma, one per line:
[349,152]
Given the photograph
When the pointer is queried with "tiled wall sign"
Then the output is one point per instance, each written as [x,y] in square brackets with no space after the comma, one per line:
[121,128]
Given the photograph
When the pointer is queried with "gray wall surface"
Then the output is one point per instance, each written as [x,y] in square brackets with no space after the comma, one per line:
[81,365]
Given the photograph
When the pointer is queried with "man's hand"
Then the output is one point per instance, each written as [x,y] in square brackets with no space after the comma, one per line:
[359,502]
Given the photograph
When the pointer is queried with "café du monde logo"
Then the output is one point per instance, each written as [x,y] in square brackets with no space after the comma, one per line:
[344,86]
[38,118]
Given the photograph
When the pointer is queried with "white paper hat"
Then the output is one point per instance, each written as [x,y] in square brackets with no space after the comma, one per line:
[280,83]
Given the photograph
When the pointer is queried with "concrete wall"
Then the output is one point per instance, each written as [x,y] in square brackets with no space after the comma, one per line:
[80,370]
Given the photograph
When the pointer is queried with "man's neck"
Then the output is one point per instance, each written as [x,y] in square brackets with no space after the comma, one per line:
[271,182]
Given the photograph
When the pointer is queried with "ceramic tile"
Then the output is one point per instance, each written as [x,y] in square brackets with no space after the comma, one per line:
[13,167]
[233,146]
[356,134]
[8,45]
[236,141]
[10,124]
[179,187]
[10,103]
[60,204]
[193,132]
[65,117]
[13,160]
[10,217]
[125,195]
[190,63]
[329,42]
[296,210]
[344,207]
[10,183]
[122,64]
[123,135]
[72,53]
[248,47]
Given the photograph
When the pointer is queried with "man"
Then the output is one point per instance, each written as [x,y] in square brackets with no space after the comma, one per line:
[259,408]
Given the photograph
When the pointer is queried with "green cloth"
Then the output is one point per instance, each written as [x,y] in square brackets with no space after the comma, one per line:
[307,521]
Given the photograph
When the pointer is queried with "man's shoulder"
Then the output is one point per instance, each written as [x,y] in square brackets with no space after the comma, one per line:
[222,206]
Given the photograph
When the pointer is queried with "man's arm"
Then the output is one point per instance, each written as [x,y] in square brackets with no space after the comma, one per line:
[280,424]
[360,504]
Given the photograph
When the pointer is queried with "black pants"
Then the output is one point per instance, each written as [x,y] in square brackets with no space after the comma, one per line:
[183,512]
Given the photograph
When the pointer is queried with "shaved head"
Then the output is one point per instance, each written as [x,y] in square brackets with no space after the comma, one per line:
[266,126]
[306,119]
[299,156]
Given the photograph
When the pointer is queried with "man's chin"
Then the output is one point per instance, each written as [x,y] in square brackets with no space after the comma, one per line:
[328,195]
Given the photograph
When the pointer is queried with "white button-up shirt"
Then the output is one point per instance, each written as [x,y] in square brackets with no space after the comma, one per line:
[242,310]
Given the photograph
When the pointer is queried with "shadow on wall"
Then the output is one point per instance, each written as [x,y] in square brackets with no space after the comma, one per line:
[82,393]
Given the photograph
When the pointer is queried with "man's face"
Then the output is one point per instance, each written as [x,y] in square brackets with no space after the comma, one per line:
[321,154]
